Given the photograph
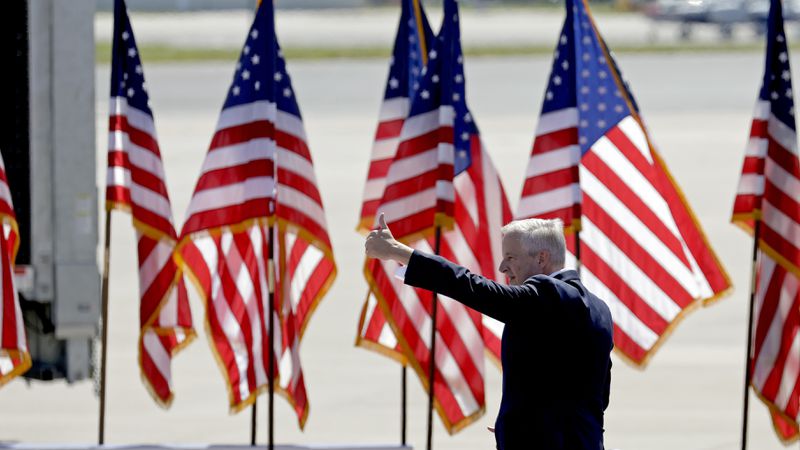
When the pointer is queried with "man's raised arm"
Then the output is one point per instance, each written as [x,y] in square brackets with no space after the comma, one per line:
[437,274]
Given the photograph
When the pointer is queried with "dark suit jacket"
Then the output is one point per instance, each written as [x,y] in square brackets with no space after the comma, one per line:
[556,352]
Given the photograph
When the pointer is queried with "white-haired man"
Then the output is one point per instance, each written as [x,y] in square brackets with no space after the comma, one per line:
[557,339]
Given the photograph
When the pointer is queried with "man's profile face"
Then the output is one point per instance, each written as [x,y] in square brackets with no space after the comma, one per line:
[518,263]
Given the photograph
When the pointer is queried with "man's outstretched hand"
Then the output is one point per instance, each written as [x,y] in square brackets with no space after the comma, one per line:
[382,245]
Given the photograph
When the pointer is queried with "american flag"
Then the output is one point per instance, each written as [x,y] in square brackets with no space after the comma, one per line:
[405,69]
[136,183]
[407,62]
[14,356]
[479,209]
[258,178]
[409,57]
[767,193]
[593,166]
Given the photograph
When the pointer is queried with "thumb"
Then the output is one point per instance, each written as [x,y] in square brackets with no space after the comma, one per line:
[382,222]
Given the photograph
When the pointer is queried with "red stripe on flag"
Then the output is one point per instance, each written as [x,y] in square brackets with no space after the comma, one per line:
[411,186]
[228,215]
[551,180]
[138,137]
[758,128]
[258,129]
[379,168]
[634,204]
[389,129]
[159,386]
[616,284]
[555,140]
[627,244]
[236,174]
[299,183]
[424,142]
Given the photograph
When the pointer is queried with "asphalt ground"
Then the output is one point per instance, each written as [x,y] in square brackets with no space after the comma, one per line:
[364,28]
[698,108]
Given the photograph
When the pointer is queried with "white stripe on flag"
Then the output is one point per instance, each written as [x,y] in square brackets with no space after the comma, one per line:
[302,273]
[782,134]
[779,222]
[385,148]
[239,154]
[155,350]
[168,315]
[409,205]
[426,122]
[623,317]
[246,113]
[756,147]
[220,197]
[153,264]
[293,162]
[115,176]
[150,200]
[465,188]
[373,189]
[764,280]
[394,108]
[413,166]
[557,120]
[551,200]
[228,324]
[636,182]
[137,118]
[791,372]
[761,111]
[138,156]
[751,184]
[291,124]
[462,252]
[628,271]
[768,354]
[636,135]
[562,158]
[466,329]
[446,364]
[444,190]
[628,221]
[301,202]
[782,179]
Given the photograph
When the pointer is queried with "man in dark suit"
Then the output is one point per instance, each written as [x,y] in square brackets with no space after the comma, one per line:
[557,338]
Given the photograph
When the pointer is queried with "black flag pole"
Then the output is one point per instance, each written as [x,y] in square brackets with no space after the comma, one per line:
[254,413]
[403,384]
[578,251]
[272,356]
[253,422]
[748,374]
[101,434]
[432,361]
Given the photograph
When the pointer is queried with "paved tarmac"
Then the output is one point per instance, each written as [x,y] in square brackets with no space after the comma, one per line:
[698,107]
[358,28]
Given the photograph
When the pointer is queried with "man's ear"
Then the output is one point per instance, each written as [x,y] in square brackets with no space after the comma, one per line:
[543,258]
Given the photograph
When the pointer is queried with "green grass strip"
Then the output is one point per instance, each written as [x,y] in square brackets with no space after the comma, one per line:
[174,54]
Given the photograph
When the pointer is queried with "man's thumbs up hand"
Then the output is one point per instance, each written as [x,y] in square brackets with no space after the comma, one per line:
[382,222]
[382,245]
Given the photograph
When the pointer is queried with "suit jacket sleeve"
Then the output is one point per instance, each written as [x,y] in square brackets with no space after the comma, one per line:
[499,301]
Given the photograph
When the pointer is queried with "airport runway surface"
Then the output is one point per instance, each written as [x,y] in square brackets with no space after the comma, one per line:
[698,108]
[369,28]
